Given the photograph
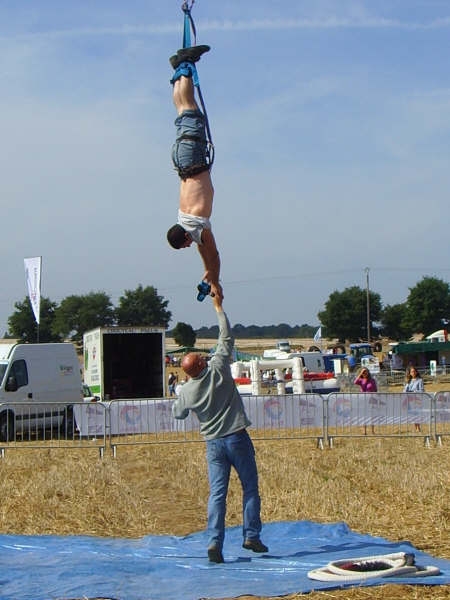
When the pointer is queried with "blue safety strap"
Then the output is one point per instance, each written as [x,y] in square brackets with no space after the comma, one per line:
[189,26]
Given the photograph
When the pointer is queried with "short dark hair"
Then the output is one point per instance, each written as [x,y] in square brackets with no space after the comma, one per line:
[176,236]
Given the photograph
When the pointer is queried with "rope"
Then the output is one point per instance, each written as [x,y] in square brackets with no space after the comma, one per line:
[399,564]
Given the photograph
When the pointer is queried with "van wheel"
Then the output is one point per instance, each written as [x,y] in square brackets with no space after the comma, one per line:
[66,429]
[7,427]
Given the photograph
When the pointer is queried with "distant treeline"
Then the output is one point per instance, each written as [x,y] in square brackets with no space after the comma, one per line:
[282,331]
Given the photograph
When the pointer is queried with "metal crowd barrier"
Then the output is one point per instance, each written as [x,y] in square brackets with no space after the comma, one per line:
[380,415]
[282,417]
[87,425]
[441,415]
[150,421]
[52,426]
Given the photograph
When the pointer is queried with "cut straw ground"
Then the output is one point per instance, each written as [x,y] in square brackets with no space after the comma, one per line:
[396,489]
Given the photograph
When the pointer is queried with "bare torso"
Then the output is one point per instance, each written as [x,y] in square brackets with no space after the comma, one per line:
[196,195]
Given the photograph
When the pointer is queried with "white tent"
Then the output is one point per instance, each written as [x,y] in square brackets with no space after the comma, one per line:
[438,336]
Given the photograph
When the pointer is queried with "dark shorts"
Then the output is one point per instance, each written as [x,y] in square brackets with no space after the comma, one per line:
[190,153]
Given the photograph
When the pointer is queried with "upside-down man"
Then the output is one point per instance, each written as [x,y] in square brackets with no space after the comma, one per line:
[191,158]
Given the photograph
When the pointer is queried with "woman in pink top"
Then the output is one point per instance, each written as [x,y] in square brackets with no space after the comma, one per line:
[365,381]
[367,384]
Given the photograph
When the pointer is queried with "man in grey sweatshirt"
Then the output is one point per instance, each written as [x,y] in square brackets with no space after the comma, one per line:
[212,395]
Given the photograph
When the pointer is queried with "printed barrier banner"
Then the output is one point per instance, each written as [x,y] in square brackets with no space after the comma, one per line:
[291,411]
[155,415]
[346,410]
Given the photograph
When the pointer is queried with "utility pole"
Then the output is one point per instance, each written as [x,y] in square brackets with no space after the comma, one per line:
[368,303]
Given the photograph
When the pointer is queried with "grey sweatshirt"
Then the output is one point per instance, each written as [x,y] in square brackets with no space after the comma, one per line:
[213,395]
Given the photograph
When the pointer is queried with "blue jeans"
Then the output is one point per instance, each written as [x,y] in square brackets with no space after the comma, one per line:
[190,151]
[235,450]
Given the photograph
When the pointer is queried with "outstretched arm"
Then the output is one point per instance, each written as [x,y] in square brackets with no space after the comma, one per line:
[225,341]
[211,260]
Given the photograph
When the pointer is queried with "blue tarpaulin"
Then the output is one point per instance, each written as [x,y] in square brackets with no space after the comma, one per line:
[159,567]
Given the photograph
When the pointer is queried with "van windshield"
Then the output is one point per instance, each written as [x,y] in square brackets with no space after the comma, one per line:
[2,371]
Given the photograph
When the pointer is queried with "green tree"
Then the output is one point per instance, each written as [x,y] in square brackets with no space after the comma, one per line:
[392,319]
[77,314]
[184,335]
[283,330]
[208,332]
[304,331]
[143,306]
[345,314]
[427,304]
[22,324]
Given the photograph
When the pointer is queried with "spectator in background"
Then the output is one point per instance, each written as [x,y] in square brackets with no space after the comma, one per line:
[172,381]
[414,383]
[365,381]
[367,384]
[351,360]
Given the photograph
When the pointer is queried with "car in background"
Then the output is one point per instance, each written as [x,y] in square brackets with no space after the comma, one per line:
[283,346]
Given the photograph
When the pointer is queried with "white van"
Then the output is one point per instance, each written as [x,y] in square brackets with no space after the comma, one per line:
[312,361]
[38,383]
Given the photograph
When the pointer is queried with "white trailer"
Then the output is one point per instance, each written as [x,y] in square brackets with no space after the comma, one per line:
[125,362]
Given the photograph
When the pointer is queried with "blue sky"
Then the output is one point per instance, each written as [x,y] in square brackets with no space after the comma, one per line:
[331,121]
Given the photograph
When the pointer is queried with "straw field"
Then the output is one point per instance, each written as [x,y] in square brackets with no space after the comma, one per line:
[394,488]
[397,489]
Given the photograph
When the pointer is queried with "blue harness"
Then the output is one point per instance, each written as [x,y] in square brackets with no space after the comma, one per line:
[189,69]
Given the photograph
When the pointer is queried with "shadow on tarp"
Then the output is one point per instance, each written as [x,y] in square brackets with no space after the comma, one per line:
[176,568]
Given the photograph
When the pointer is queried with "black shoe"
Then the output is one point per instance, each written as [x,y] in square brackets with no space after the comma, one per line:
[215,554]
[255,545]
[191,54]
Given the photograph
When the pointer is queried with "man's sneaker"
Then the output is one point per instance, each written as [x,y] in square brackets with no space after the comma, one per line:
[255,546]
[191,54]
[215,554]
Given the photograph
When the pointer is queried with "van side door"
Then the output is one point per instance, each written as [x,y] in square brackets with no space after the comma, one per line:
[18,390]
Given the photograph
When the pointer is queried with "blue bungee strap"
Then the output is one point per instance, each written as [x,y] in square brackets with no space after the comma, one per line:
[188,25]
[187,69]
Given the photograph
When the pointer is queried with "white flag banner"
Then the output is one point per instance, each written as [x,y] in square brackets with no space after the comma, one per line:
[33,276]
[318,335]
